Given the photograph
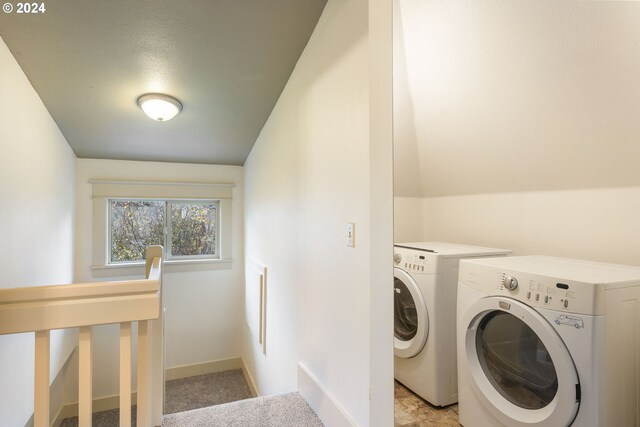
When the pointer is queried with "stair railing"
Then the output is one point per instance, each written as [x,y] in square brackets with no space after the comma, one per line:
[41,309]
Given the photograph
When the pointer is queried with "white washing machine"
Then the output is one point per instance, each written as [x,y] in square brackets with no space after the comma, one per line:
[548,342]
[425,278]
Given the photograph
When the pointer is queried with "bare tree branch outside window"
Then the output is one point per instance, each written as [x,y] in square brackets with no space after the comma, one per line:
[193,229]
[136,224]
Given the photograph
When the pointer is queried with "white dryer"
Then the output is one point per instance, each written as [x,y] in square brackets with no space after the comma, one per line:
[548,342]
[425,278]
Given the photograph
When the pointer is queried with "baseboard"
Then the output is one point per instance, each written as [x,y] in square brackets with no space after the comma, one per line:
[330,412]
[66,411]
[98,405]
[212,367]
[249,379]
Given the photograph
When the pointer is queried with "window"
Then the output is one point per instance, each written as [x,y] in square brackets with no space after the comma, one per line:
[193,229]
[187,229]
[192,220]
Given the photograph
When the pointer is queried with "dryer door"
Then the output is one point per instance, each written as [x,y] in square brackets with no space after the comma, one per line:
[411,320]
[521,370]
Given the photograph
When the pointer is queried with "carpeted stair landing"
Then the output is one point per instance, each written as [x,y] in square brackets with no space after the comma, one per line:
[200,391]
[189,403]
[285,410]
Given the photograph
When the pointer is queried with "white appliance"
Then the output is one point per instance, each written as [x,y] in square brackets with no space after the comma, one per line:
[548,341]
[425,277]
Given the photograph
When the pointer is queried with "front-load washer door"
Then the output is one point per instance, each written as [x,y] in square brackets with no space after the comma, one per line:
[520,368]
[411,320]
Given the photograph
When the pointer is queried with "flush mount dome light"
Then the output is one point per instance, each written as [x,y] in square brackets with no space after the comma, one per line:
[159,107]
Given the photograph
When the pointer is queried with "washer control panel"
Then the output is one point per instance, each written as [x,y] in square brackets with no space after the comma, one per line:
[415,261]
[411,262]
[397,257]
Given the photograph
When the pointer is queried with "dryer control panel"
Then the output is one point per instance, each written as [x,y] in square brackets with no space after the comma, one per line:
[539,292]
[495,278]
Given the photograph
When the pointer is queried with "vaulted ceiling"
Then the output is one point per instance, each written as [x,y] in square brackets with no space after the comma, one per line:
[227,61]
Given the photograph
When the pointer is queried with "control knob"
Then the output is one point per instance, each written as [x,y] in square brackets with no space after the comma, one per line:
[511,283]
[397,257]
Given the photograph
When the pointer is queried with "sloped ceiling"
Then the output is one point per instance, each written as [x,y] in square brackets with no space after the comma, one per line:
[495,97]
[227,61]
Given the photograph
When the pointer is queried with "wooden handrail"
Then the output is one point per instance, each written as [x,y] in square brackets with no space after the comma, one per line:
[75,291]
[94,306]
[41,309]
[46,308]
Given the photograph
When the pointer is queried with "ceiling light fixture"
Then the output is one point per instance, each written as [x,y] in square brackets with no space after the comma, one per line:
[159,107]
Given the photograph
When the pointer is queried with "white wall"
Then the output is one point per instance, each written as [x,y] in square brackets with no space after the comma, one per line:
[203,306]
[408,225]
[596,224]
[524,119]
[309,174]
[37,171]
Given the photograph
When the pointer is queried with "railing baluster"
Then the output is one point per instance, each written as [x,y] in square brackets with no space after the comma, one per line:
[125,374]
[81,305]
[143,374]
[157,369]
[85,388]
[41,380]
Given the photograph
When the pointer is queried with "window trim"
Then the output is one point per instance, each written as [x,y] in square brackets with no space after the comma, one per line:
[104,190]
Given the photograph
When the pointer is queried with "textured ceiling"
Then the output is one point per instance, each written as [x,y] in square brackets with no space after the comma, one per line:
[227,61]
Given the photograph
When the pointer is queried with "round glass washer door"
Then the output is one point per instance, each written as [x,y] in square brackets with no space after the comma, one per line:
[411,319]
[521,370]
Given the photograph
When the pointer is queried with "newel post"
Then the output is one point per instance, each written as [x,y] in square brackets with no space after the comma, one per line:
[156,345]
[156,251]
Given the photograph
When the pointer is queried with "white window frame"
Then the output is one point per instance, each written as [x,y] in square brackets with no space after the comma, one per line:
[166,235]
[105,190]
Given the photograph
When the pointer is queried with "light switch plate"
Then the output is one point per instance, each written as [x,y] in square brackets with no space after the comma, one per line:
[351,236]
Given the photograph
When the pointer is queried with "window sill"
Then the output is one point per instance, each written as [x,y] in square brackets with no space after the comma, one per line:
[169,266]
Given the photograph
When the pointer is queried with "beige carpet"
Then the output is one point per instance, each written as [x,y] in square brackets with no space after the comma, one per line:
[185,394]
[207,397]
[285,410]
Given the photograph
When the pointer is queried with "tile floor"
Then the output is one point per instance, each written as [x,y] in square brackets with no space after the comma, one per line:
[412,411]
